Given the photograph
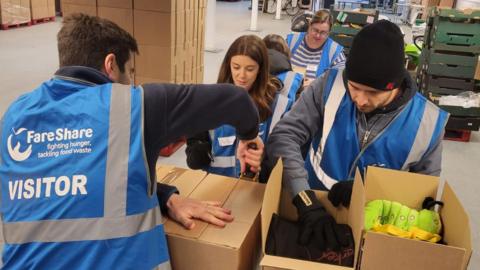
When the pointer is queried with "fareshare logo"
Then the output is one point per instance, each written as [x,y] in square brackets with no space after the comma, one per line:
[15,152]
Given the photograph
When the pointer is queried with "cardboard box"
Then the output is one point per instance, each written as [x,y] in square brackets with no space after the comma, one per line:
[123,17]
[81,2]
[39,9]
[381,251]
[446,3]
[410,189]
[170,6]
[116,3]
[180,28]
[199,74]
[52,8]
[88,7]
[276,200]
[14,12]
[207,246]
[139,80]
[155,62]
[154,28]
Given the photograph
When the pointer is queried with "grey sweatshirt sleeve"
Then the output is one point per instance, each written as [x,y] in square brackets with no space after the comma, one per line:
[295,129]
[431,163]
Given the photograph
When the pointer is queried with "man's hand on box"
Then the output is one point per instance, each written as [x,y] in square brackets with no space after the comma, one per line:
[252,157]
[186,210]
[316,223]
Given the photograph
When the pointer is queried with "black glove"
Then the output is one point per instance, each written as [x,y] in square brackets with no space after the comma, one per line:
[316,223]
[340,193]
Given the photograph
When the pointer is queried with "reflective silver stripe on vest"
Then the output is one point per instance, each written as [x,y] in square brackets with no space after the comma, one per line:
[223,162]
[331,107]
[163,266]
[287,84]
[82,229]
[280,108]
[424,134]
[295,37]
[331,53]
[151,188]
[116,178]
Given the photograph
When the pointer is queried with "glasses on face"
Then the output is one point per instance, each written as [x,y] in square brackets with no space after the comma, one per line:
[319,33]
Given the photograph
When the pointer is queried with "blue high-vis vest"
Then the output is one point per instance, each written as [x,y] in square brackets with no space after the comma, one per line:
[224,140]
[75,185]
[335,153]
[292,81]
[330,50]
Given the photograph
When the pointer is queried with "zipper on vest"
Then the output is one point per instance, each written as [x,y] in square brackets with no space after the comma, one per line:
[365,138]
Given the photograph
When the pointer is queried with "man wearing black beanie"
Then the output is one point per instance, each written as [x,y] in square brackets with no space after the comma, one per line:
[369,114]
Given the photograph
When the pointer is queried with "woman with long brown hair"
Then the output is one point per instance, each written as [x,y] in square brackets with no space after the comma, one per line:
[246,65]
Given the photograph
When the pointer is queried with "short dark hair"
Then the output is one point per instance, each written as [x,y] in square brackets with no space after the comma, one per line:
[86,40]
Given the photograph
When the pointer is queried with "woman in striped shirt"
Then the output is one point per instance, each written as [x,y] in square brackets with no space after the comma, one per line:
[313,51]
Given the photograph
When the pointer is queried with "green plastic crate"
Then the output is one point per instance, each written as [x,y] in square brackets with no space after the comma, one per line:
[344,40]
[355,17]
[447,86]
[451,64]
[349,31]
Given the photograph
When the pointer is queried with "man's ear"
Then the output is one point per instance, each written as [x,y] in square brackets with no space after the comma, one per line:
[110,67]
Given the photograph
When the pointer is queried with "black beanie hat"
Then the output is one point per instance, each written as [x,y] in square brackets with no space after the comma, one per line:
[377,57]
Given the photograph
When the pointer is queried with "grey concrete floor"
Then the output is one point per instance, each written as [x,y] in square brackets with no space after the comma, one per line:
[28,56]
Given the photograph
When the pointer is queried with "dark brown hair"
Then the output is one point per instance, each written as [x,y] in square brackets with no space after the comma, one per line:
[278,43]
[322,16]
[86,41]
[264,88]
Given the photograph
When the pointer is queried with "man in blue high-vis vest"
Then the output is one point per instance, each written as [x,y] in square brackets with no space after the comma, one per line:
[78,154]
[369,114]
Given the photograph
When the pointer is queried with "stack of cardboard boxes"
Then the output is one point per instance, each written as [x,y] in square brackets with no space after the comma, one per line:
[13,12]
[170,35]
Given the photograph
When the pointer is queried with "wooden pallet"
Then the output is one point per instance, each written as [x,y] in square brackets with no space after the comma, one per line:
[7,26]
[43,20]
[457,135]
[172,148]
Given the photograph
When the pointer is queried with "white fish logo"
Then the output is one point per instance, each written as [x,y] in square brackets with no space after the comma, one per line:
[15,152]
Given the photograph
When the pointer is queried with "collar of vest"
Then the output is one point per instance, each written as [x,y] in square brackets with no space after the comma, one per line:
[80,73]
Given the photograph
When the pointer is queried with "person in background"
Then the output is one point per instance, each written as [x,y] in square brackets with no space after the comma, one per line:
[313,51]
[246,65]
[280,66]
[78,155]
[368,114]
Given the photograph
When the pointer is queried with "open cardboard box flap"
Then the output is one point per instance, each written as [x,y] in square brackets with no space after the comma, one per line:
[209,247]
[279,201]
[410,189]
[242,197]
